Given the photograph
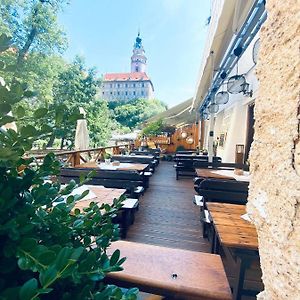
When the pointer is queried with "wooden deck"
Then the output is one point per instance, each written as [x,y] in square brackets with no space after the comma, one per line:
[167,216]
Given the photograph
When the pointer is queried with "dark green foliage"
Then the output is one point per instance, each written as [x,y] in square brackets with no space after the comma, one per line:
[153,128]
[48,251]
[134,112]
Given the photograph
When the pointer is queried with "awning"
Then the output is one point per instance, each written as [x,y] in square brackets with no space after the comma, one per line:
[227,18]
[178,116]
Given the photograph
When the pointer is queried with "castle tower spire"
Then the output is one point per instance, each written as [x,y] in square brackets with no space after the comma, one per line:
[138,58]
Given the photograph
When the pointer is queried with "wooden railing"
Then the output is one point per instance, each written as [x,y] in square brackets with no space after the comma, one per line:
[75,157]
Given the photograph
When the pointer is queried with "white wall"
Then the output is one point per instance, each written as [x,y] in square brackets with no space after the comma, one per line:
[231,119]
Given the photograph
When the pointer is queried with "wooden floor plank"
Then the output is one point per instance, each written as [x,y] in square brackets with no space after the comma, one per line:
[167,216]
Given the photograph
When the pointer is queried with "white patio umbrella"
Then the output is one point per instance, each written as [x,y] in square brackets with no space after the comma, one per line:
[82,135]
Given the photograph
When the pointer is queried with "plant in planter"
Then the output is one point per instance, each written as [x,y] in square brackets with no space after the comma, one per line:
[48,249]
[107,158]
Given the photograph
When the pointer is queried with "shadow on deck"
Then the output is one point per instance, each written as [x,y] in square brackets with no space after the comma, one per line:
[167,216]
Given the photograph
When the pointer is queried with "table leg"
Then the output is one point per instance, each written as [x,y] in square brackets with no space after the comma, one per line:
[244,262]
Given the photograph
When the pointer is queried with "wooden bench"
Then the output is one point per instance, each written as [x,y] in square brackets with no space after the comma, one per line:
[171,272]
[132,181]
[137,159]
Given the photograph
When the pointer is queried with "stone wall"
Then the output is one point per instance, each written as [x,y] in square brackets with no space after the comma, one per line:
[274,199]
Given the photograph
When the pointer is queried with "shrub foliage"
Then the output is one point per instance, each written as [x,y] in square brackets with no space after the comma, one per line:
[48,249]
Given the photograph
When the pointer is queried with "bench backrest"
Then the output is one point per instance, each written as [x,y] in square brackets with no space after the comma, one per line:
[217,164]
[191,157]
[133,159]
[186,152]
[154,152]
[108,178]
[225,191]
[104,174]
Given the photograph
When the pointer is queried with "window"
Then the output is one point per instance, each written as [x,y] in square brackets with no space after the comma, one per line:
[126,93]
[111,85]
[126,85]
[142,93]
[134,93]
[111,93]
[102,93]
[134,85]
[118,85]
[118,93]
[143,85]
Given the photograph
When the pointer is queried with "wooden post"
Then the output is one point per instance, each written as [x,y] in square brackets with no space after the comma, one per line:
[202,133]
[76,160]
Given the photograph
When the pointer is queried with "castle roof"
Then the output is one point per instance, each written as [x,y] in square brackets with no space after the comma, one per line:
[133,76]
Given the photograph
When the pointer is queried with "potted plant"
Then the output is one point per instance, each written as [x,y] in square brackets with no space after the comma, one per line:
[107,158]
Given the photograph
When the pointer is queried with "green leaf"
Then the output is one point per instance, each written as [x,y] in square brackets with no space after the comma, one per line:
[115,257]
[59,116]
[28,244]
[28,131]
[5,108]
[46,128]
[97,276]
[20,112]
[40,112]
[29,289]
[29,94]
[6,119]
[48,276]
[47,257]
[63,257]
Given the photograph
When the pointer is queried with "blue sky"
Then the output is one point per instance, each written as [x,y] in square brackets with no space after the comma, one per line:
[173,33]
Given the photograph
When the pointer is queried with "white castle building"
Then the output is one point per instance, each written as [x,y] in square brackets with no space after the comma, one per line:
[133,85]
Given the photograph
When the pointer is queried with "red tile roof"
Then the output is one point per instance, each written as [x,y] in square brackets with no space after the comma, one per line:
[125,76]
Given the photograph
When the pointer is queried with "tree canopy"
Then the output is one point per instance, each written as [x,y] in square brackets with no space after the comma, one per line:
[34,57]
[134,112]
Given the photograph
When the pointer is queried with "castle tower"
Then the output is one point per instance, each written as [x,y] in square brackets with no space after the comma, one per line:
[138,58]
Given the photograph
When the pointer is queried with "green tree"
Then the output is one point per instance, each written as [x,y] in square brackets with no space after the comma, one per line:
[153,128]
[100,122]
[36,38]
[77,86]
[134,112]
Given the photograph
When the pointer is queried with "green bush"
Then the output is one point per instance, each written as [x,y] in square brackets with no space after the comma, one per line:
[48,249]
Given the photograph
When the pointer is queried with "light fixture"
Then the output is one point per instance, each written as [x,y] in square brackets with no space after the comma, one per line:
[246,90]
[189,140]
[213,108]
[222,97]
[235,84]
[183,134]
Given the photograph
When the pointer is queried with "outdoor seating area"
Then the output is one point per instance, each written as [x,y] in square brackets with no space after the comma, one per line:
[139,185]
[175,214]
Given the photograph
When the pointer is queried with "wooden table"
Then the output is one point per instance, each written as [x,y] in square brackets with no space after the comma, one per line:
[121,167]
[207,173]
[232,230]
[236,234]
[171,272]
[103,196]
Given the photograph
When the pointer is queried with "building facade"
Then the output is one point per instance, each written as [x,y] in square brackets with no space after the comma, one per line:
[133,85]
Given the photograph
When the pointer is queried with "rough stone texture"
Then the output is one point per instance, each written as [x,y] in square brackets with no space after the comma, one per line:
[274,199]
